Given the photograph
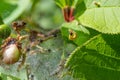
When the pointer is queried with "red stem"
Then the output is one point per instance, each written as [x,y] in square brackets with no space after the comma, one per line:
[68,14]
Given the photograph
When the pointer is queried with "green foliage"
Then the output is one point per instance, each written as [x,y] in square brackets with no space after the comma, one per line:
[79,9]
[11,10]
[96,28]
[5,31]
[82,34]
[97,59]
[64,3]
[97,56]
[104,18]
[5,11]
[60,3]
[1,22]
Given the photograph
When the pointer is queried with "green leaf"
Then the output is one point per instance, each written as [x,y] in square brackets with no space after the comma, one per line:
[79,9]
[72,2]
[6,8]
[1,21]
[82,34]
[11,11]
[97,59]
[64,3]
[60,3]
[5,31]
[103,16]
